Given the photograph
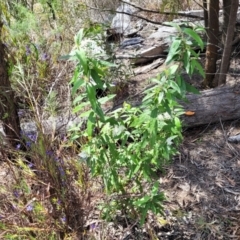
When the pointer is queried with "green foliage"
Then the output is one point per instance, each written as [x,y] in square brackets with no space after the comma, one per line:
[128,147]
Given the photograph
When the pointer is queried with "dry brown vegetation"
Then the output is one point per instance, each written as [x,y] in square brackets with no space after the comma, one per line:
[202,183]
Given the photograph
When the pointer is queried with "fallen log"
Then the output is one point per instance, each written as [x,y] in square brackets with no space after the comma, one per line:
[213,105]
[210,106]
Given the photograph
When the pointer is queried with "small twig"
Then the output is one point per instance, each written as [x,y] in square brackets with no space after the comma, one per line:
[203,131]
[164,13]
[139,56]
[129,14]
[22,210]
[150,57]
[223,129]
[146,19]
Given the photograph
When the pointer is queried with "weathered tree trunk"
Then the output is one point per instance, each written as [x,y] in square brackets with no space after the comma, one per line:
[8,110]
[208,107]
[212,45]
[205,14]
[225,62]
[221,103]
[226,14]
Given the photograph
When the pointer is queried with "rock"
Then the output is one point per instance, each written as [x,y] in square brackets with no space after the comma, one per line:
[121,21]
[132,41]
[93,48]
[149,67]
[134,28]
[134,47]
[143,52]
[234,139]
[164,33]
[149,54]
[148,29]
[143,55]
[199,13]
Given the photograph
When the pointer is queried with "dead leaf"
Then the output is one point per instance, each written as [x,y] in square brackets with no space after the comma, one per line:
[189,113]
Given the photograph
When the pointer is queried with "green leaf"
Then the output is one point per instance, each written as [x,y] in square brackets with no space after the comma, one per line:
[181,83]
[153,126]
[155,188]
[111,120]
[173,69]
[160,97]
[177,122]
[174,86]
[80,107]
[191,88]
[173,51]
[142,200]
[78,99]
[199,29]
[86,114]
[100,113]
[78,38]
[196,65]
[77,83]
[154,113]
[35,50]
[91,94]
[143,215]
[195,36]
[95,76]
[90,124]
[83,60]
[106,98]
[136,169]
[194,54]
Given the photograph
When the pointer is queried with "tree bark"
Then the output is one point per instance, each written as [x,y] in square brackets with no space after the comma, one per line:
[209,106]
[226,14]
[205,14]
[8,110]
[225,62]
[212,45]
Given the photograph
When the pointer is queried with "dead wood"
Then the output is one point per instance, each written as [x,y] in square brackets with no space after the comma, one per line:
[210,106]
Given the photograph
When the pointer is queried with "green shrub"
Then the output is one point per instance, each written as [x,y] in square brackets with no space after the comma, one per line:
[128,147]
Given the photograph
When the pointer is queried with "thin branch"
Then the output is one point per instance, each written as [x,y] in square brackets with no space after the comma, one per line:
[147,10]
[149,57]
[139,56]
[133,15]
[159,12]
[201,6]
